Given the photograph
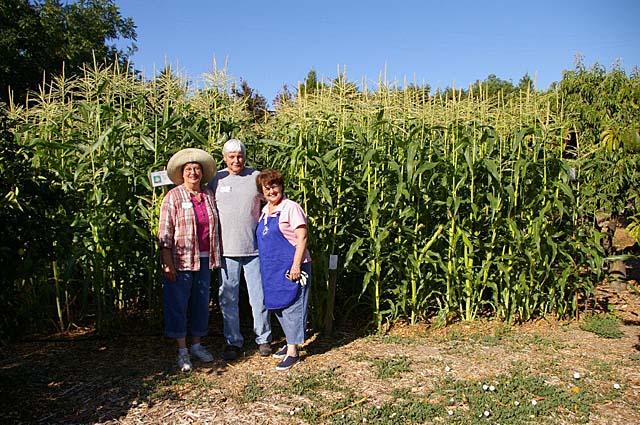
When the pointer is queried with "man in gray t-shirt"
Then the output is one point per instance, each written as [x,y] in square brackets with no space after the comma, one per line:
[238,203]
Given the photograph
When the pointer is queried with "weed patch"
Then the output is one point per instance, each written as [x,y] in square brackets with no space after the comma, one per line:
[603,325]
[391,366]
[252,390]
[306,384]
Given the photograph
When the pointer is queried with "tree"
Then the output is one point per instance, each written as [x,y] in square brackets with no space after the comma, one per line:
[284,96]
[526,83]
[44,37]
[256,104]
[493,85]
[310,84]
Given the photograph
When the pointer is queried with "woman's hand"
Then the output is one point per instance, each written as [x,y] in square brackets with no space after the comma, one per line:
[301,246]
[169,272]
[166,260]
[294,272]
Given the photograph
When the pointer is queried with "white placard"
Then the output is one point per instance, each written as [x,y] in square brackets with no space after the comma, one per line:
[333,262]
[160,178]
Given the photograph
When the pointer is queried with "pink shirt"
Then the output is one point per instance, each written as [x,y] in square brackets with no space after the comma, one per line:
[177,229]
[292,216]
[202,222]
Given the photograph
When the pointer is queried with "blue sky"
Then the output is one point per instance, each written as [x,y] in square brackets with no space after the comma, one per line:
[441,43]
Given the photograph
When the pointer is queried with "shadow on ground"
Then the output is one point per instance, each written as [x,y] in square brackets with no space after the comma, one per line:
[85,378]
[80,380]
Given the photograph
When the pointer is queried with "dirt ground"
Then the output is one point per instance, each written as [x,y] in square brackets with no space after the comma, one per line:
[484,372]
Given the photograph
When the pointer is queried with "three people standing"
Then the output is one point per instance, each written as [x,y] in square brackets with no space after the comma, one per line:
[222,226]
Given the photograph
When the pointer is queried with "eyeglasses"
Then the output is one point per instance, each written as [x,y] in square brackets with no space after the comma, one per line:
[194,169]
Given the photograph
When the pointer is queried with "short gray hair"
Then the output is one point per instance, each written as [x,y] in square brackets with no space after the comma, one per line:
[234,145]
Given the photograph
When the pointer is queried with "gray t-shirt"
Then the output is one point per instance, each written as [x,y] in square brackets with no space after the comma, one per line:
[239,209]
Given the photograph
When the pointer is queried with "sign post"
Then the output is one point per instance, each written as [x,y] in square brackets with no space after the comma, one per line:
[331,298]
[159,178]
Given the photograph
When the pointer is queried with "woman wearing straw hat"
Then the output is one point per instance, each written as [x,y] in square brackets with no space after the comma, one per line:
[189,248]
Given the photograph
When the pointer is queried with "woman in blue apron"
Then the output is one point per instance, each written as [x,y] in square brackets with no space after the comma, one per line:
[285,263]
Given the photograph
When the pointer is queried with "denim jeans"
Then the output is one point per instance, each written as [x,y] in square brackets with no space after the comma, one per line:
[229,293]
[187,300]
[293,319]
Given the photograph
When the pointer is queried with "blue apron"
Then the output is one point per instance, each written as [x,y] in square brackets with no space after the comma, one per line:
[276,255]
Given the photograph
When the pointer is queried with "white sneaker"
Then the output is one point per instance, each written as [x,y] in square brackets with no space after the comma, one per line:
[201,353]
[184,362]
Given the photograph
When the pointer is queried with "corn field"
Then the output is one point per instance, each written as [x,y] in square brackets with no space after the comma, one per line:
[439,207]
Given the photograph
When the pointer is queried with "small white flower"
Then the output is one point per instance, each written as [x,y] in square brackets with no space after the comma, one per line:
[616,386]
[450,412]
[534,402]
[492,388]
[485,387]
[447,369]
[576,375]
[517,403]
[486,413]
[291,412]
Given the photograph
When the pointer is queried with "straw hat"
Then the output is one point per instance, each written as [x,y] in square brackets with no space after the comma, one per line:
[177,161]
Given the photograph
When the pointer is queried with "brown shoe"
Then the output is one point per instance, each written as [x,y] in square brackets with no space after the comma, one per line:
[265,349]
[231,352]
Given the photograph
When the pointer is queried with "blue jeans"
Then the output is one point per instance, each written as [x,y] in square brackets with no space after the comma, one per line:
[229,293]
[187,298]
[293,319]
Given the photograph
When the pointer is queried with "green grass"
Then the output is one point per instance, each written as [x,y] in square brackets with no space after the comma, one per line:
[309,383]
[395,339]
[401,393]
[391,367]
[526,341]
[603,325]
[252,390]
[510,403]
[403,412]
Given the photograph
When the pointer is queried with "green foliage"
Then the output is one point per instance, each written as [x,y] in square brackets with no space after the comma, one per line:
[255,103]
[597,100]
[34,216]
[48,36]
[311,382]
[464,402]
[99,137]
[604,325]
[391,367]
[252,390]
[452,208]
[310,85]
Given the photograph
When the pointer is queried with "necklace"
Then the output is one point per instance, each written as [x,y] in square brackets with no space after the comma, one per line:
[192,191]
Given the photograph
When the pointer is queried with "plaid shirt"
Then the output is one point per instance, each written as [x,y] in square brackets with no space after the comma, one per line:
[177,229]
